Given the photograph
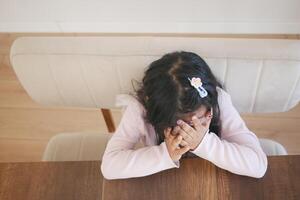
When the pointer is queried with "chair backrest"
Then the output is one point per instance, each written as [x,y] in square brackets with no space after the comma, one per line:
[261,75]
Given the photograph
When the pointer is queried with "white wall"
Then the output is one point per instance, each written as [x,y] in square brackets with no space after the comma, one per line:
[152,16]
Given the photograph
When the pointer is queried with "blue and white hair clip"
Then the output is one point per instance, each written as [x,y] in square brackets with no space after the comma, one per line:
[197,84]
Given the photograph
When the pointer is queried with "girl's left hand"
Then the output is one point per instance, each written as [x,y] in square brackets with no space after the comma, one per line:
[192,136]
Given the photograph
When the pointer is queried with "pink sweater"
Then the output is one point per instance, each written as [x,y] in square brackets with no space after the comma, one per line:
[238,150]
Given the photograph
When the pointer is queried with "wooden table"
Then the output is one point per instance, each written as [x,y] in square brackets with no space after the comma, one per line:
[195,179]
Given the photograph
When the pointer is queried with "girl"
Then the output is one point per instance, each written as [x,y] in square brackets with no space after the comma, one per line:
[181,110]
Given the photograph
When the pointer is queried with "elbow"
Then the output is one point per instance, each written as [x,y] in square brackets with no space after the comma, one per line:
[106,171]
[110,168]
[261,173]
[256,165]
[262,167]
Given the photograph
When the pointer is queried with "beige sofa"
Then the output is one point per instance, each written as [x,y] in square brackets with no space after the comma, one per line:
[261,75]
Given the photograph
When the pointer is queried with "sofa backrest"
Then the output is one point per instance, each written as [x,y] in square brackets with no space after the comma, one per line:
[261,75]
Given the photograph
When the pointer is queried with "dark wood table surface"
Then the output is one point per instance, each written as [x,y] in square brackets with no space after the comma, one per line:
[195,179]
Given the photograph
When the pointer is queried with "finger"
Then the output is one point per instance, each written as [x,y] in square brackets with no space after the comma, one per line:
[176,141]
[184,134]
[183,150]
[187,128]
[175,130]
[167,132]
[183,143]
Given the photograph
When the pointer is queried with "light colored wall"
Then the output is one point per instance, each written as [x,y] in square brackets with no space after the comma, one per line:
[155,16]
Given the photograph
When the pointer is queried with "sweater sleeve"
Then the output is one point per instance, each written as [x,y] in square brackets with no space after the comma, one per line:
[121,160]
[238,150]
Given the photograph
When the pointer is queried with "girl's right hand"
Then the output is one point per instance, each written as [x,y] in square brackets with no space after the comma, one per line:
[172,143]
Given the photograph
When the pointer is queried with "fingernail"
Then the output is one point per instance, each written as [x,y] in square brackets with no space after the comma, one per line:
[194,117]
[179,122]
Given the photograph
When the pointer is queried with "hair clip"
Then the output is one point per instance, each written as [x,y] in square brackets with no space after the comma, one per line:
[197,83]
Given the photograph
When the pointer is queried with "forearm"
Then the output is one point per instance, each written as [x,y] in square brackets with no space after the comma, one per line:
[243,159]
[119,163]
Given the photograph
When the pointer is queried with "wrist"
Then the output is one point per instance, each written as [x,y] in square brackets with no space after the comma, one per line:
[192,149]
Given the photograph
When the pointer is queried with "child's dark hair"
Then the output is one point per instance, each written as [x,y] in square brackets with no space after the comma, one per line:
[166,92]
